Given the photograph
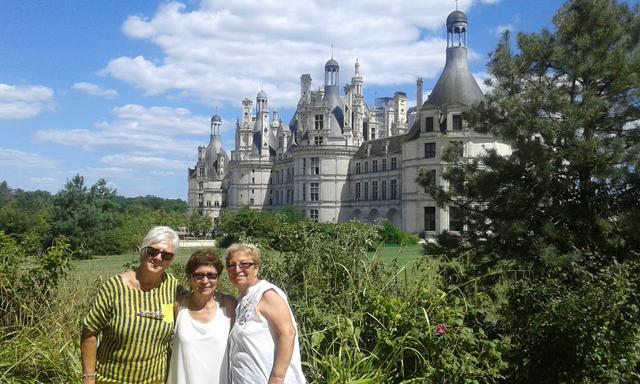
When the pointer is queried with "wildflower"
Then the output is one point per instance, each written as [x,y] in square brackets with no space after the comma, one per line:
[441,329]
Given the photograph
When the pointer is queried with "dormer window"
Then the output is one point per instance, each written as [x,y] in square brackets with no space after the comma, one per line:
[428,124]
[457,123]
[319,122]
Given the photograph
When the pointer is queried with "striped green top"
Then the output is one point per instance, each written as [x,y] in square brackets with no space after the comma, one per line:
[135,330]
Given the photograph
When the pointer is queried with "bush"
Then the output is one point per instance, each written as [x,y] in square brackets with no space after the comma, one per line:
[391,234]
[577,326]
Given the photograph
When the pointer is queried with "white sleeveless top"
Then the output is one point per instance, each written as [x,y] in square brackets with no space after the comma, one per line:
[252,344]
[200,354]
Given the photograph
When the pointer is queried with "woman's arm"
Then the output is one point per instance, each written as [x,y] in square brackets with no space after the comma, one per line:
[88,349]
[276,311]
[229,303]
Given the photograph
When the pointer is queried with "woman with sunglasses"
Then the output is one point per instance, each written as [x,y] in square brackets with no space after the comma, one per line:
[263,344]
[133,316]
[199,353]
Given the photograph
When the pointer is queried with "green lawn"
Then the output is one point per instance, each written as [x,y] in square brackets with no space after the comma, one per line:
[402,255]
[110,265]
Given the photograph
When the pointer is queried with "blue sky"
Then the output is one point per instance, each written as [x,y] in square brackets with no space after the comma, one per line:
[124,90]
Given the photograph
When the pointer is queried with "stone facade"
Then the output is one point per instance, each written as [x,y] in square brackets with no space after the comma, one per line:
[340,159]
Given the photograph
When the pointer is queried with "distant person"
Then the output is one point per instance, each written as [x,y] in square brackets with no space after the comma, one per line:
[133,315]
[199,353]
[263,345]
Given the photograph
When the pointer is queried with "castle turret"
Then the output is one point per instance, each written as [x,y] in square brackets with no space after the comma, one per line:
[332,98]
[456,85]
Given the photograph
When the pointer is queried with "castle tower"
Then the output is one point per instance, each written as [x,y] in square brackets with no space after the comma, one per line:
[332,98]
[456,84]
[261,130]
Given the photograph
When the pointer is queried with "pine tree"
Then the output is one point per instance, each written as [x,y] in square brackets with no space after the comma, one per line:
[567,101]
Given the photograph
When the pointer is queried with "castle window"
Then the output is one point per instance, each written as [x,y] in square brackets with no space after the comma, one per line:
[201,172]
[366,167]
[304,165]
[315,165]
[428,124]
[374,190]
[253,180]
[429,150]
[384,165]
[366,191]
[314,215]
[458,147]
[384,190]
[393,163]
[304,191]
[394,189]
[429,219]
[357,168]
[251,201]
[357,191]
[315,192]
[457,122]
[216,203]
[318,140]
[375,165]
[208,203]
[431,179]
[319,122]
[200,185]
[456,219]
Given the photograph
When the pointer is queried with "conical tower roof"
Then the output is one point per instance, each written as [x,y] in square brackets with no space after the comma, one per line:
[456,84]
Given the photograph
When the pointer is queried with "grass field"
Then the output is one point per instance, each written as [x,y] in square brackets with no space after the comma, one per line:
[110,265]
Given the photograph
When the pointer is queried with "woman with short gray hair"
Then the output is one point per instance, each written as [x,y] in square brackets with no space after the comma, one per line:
[133,315]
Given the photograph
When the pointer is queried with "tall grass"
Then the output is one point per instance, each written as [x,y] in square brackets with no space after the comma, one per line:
[46,349]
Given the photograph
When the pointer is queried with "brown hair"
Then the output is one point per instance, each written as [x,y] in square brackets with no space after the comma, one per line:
[202,257]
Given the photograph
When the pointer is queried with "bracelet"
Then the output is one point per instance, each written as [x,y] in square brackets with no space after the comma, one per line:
[85,375]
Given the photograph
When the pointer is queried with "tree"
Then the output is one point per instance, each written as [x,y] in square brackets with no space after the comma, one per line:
[86,216]
[565,204]
[567,101]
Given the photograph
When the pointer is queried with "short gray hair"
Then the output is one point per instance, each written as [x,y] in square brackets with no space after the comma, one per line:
[248,249]
[161,233]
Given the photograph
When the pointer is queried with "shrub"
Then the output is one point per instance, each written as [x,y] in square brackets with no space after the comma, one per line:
[391,234]
[577,326]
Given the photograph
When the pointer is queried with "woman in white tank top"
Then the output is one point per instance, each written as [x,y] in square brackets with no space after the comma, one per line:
[263,344]
[204,318]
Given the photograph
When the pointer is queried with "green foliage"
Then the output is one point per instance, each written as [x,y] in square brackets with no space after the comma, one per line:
[578,326]
[391,234]
[567,102]
[564,205]
[95,220]
[26,279]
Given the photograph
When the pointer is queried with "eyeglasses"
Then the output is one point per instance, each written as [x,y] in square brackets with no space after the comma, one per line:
[152,252]
[242,265]
[200,276]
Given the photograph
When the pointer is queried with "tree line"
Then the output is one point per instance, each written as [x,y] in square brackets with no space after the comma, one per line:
[94,219]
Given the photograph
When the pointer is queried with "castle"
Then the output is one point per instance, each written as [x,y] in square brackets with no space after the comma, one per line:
[340,159]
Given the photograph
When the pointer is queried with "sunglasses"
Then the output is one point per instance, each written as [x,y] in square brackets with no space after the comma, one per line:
[152,252]
[200,276]
[242,265]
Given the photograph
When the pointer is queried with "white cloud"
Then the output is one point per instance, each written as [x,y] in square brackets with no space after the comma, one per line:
[15,158]
[501,29]
[153,130]
[481,78]
[490,1]
[160,164]
[95,90]
[24,101]
[220,52]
